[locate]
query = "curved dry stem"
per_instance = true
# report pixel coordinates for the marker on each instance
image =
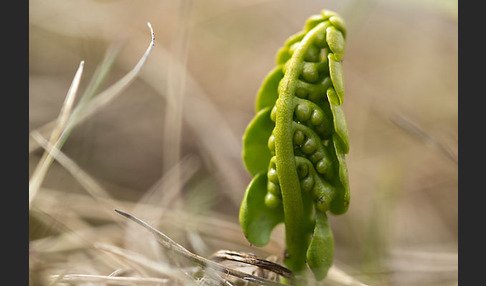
(168, 243)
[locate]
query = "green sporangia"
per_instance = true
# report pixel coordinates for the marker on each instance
(295, 147)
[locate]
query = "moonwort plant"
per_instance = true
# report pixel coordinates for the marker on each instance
(295, 147)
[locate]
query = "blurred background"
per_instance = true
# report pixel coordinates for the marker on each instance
(168, 147)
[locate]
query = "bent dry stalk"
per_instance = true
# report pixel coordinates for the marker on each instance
(295, 147)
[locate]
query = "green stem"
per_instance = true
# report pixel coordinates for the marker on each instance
(296, 223)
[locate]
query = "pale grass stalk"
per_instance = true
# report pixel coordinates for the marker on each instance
(105, 97)
(98, 77)
(62, 120)
(173, 119)
(68, 120)
(86, 278)
(87, 108)
(165, 270)
(176, 87)
(45, 130)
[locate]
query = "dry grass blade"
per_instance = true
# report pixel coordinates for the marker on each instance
(172, 129)
(88, 106)
(85, 278)
(109, 94)
(253, 260)
(67, 119)
(165, 270)
(55, 139)
(168, 243)
(98, 78)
